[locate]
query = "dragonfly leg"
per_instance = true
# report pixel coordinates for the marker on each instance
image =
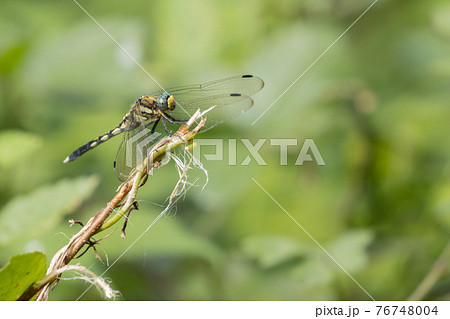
(170, 119)
(167, 131)
(165, 127)
(134, 207)
(155, 123)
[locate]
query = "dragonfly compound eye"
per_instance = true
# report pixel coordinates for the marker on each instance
(162, 101)
(171, 103)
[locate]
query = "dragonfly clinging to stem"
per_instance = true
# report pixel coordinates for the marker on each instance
(227, 97)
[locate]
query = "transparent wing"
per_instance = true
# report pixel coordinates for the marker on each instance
(222, 107)
(230, 97)
(133, 150)
(243, 84)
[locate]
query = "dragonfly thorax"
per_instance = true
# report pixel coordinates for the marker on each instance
(166, 102)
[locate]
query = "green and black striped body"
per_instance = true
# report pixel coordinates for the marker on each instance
(143, 110)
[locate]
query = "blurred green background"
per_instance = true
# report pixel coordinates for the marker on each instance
(377, 105)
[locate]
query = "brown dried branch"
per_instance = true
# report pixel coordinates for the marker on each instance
(126, 194)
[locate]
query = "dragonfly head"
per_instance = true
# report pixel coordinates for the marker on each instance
(166, 102)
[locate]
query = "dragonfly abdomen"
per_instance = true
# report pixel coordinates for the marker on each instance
(95, 142)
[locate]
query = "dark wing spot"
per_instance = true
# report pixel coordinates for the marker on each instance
(247, 76)
(114, 164)
(235, 94)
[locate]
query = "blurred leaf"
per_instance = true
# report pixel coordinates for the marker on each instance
(441, 205)
(11, 58)
(271, 251)
(29, 215)
(316, 268)
(19, 273)
(350, 249)
(17, 145)
(441, 19)
(315, 271)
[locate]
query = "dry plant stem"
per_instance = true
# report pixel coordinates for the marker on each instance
(128, 190)
(68, 252)
(38, 285)
(88, 276)
(437, 270)
(156, 155)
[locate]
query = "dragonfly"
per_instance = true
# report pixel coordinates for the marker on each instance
(226, 99)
